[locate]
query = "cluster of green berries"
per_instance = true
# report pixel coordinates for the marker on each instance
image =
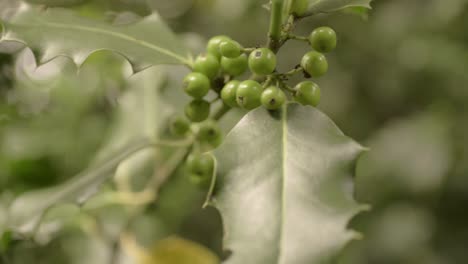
(250, 94)
(217, 70)
(223, 56)
(208, 136)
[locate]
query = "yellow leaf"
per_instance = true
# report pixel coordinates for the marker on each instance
(175, 250)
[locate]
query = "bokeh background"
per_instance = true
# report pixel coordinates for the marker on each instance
(398, 84)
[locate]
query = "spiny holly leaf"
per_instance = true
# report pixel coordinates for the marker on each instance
(59, 32)
(326, 6)
(284, 187)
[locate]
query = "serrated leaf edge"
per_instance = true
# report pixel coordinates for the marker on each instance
(80, 59)
(353, 234)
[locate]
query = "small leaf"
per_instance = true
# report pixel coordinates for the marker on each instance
(176, 250)
(284, 187)
(59, 32)
(326, 6)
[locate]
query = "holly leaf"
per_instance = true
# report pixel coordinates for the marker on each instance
(59, 32)
(26, 211)
(284, 187)
(327, 6)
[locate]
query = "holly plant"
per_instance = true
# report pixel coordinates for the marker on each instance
(279, 178)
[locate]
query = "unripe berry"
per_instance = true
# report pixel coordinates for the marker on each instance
(273, 98)
(229, 93)
(179, 126)
(323, 39)
(248, 94)
(213, 45)
(307, 93)
(207, 64)
(236, 66)
(200, 168)
(262, 61)
(197, 110)
(209, 134)
(314, 63)
(299, 7)
(230, 49)
(196, 84)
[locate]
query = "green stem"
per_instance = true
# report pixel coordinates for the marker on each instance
(301, 38)
(291, 72)
(275, 25)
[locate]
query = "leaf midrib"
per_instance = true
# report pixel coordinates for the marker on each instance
(284, 139)
(110, 33)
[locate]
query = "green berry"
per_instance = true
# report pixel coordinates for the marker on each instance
(262, 61)
(248, 94)
(196, 84)
(207, 64)
(229, 93)
(230, 49)
(197, 110)
(213, 45)
(201, 181)
(179, 126)
(299, 7)
(307, 93)
(200, 165)
(236, 66)
(323, 39)
(273, 98)
(314, 63)
(209, 134)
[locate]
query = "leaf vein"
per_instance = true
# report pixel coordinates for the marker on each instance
(113, 34)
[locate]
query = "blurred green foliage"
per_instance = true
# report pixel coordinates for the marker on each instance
(398, 84)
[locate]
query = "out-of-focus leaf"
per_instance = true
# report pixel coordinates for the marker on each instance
(140, 111)
(8, 8)
(174, 250)
(357, 7)
(56, 2)
(408, 156)
(60, 32)
(142, 101)
(326, 6)
(362, 12)
(5, 241)
(292, 204)
(26, 211)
